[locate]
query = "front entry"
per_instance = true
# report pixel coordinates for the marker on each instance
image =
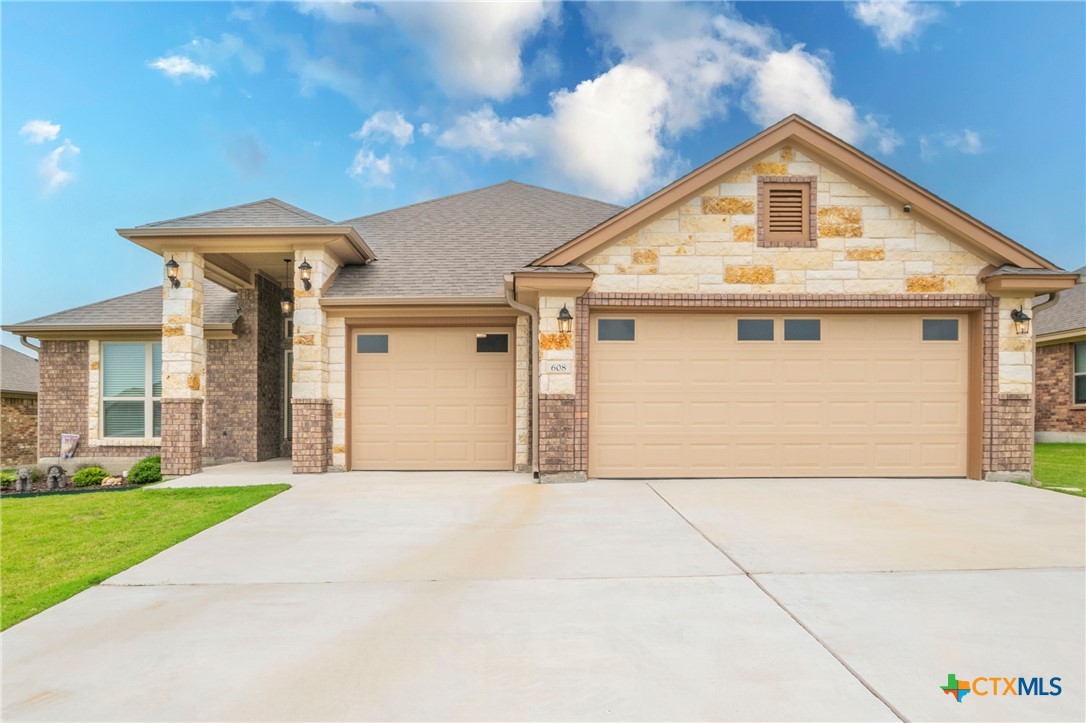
(432, 398)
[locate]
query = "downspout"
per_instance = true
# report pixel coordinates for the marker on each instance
(533, 375)
(28, 345)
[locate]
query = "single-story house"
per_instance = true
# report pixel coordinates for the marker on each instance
(791, 308)
(1060, 329)
(18, 408)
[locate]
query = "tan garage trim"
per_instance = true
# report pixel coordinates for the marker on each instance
(983, 447)
(431, 401)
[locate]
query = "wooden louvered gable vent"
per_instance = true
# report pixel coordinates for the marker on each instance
(786, 212)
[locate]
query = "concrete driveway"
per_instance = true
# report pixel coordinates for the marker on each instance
(485, 597)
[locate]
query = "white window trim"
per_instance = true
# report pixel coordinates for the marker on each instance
(148, 399)
(288, 404)
(1076, 374)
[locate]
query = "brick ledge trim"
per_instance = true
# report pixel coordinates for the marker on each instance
(988, 306)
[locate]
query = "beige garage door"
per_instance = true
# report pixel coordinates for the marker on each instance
(713, 395)
(432, 398)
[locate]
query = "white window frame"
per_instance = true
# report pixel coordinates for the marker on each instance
(1075, 374)
(148, 388)
(288, 404)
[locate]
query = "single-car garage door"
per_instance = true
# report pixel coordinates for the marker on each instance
(715, 395)
(432, 398)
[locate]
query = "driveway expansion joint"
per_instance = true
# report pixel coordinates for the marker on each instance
(750, 576)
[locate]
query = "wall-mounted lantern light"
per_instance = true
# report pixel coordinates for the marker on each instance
(172, 271)
(305, 271)
(287, 304)
(565, 320)
(1021, 321)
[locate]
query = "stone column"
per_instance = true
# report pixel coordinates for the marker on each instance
(557, 393)
(184, 359)
(1012, 430)
(312, 422)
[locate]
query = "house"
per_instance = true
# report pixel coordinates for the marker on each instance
(1060, 329)
(18, 408)
(791, 308)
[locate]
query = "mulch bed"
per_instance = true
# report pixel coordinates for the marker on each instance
(39, 489)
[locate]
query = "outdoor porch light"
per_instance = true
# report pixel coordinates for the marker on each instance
(305, 271)
(565, 320)
(1021, 321)
(287, 304)
(172, 269)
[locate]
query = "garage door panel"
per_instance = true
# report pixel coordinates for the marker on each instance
(686, 398)
(432, 402)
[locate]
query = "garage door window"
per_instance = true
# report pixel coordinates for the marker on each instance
(373, 343)
(755, 330)
(491, 343)
(940, 329)
(802, 330)
(616, 330)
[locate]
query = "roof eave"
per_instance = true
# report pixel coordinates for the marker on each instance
(336, 301)
(142, 235)
(1029, 284)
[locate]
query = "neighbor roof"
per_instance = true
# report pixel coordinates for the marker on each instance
(1068, 313)
(133, 311)
(18, 372)
(270, 212)
(463, 245)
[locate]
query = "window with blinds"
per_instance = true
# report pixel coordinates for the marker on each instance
(786, 212)
(131, 377)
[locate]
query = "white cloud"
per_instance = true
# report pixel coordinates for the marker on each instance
(603, 135)
(180, 66)
(386, 124)
(676, 67)
(474, 48)
(50, 171)
(964, 141)
(39, 131)
(372, 170)
(338, 11)
(794, 81)
(895, 22)
(227, 48)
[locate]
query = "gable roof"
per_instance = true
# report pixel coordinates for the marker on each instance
(18, 372)
(135, 311)
(463, 245)
(268, 212)
(1067, 313)
(801, 132)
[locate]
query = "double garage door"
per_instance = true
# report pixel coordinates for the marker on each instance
(714, 395)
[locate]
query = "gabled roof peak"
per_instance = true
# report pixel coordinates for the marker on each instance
(265, 212)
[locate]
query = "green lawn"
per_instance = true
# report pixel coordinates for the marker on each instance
(1061, 467)
(57, 545)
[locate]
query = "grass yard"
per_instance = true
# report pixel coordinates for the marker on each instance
(55, 546)
(1061, 467)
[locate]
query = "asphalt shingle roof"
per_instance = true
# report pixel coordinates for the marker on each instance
(141, 308)
(462, 245)
(18, 372)
(269, 212)
(1067, 314)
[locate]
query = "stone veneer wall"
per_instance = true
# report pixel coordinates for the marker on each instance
(523, 404)
(317, 341)
(18, 431)
(337, 389)
(1056, 410)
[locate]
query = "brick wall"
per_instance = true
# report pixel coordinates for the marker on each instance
(1012, 428)
(18, 431)
(1055, 410)
(270, 347)
(556, 430)
(182, 435)
(63, 379)
(312, 435)
(231, 388)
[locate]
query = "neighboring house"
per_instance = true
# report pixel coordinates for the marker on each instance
(18, 408)
(792, 308)
(1060, 330)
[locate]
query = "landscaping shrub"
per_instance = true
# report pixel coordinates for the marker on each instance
(37, 474)
(8, 476)
(146, 471)
(89, 477)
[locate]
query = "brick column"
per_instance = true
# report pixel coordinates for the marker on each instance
(311, 449)
(558, 461)
(184, 357)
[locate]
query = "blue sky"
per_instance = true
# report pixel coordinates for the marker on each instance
(118, 114)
